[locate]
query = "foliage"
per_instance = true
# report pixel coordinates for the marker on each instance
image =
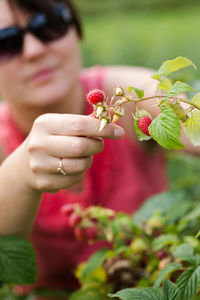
(17, 264)
(158, 255)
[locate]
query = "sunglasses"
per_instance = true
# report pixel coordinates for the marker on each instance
(41, 26)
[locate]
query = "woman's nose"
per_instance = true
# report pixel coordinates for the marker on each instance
(32, 47)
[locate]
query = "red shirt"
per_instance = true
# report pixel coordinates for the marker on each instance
(121, 177)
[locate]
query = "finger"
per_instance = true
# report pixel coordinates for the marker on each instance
(70, 165)
(78, 125)
(56, 182)
(70, 146)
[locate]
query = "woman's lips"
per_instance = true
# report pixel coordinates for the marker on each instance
(43, 75)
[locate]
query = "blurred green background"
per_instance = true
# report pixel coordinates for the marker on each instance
(141, 33)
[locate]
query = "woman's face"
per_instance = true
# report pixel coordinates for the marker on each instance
(42, 74)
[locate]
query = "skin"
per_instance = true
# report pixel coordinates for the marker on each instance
(51, 113)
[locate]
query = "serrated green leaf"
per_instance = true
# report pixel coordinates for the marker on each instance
(198, 234)
(193, 214)
(172, 65)
(164, 85)
(164, 240)
(192, 128)
(188, 283)
(130, 89)
(17, 261)
(163, 202)
(166, 271)
(139, 93)
(186, 253)
(139, 294)
(87, 294)
(179, 87)
(196, 99)
(95, 261)
(166, 129)
(170, 290)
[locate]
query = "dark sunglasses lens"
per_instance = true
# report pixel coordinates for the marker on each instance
(48, 30)
(10, 45)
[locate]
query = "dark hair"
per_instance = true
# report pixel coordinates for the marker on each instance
(46, 6)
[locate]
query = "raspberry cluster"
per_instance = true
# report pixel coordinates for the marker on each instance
(110, 111)
(83, 231)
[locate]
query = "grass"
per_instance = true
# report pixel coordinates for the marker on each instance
(143, 38)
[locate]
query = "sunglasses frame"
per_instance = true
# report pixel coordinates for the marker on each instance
(39, 19)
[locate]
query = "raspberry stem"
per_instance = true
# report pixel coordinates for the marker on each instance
(158, 96)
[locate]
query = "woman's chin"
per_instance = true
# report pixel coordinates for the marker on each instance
(48, 97)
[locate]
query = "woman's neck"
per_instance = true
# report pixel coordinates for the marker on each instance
(24, 116)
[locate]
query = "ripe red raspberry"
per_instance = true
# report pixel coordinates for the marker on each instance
(74, 219)
(95, 96)
(92, 232)
(67, 209)
(80, 234)
(144, 123)
(161, 254)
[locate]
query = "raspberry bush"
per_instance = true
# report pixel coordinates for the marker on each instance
(165, 129)
(156, 254)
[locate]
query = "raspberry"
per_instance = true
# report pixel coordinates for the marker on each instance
(80, 234)
(67, 209)
(92, 232)
(95, 96)
(161, 254)
(144, 123)
(74, 219)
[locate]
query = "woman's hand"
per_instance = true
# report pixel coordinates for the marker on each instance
(72, 138)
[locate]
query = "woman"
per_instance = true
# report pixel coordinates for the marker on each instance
(48, 141)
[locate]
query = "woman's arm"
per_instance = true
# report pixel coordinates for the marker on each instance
(140, 78)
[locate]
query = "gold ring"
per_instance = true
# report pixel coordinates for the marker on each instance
(60, 169)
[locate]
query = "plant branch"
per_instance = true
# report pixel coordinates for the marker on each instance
(127, 99)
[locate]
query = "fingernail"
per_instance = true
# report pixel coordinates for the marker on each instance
(118, 132)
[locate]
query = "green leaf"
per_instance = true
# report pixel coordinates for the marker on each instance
(183, 171)
(179, 87)
(139, 93)
(166, 129)
(87, 294)
(198, 234)
(121, 221)
(166, 271)
(139, 294)
(164, 240)
(194, 214)
(164, 85)
(95, 261)
(163, 202)
(17, 261)
(172, 65)
(188, 283)
(186, 253)
(192, 128)
(170, 290)
(196, 99)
